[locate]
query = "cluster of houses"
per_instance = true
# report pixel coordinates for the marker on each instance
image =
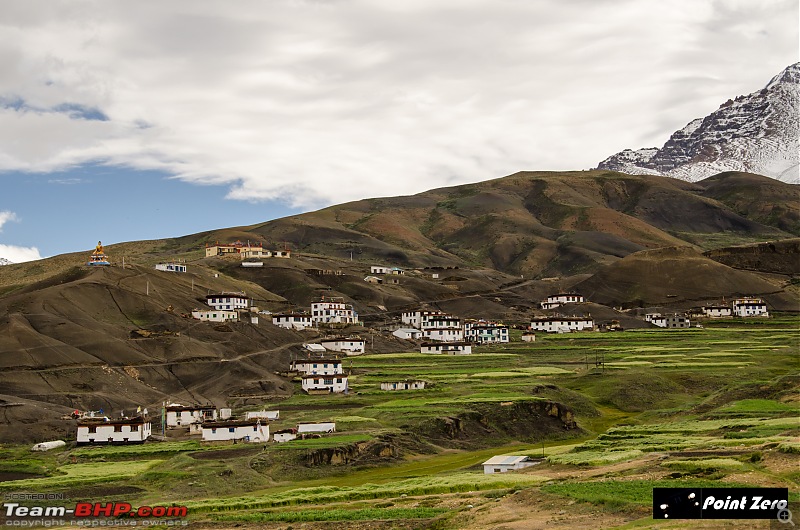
(330, 312)
(245, 251)
(227, 307)
(739, 307)
(444, 333)
(212, 424)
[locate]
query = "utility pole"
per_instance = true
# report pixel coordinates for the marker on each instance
(147, 289)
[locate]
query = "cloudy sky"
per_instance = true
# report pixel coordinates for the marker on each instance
(138, 120)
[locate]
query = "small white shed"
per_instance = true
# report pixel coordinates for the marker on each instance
(505, 463)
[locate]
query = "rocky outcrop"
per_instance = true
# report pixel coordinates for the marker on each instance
(489, 422)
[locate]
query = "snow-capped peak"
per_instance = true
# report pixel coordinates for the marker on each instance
(757, 133)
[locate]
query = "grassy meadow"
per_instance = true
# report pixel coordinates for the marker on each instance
(713, 406)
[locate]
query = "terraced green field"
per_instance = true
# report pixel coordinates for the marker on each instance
(720, 403)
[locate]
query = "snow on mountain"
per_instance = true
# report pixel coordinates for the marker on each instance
(4, 261)
(757, 133)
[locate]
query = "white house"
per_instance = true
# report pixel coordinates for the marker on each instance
(292, 320)
(454, 348)
(314, 347)
(407, 333)
(444, 334)
(215, 315)
(179, 415)
(317, 366)
(228, 301)
(270, 415)
(322, 426)
(171, 267)
(416, 318)
(562, 324)
(439, 321)
(373, 279)
(348, 345)
(318, 384)
(247, 430)
(717, 311)
(333, 313)
(403, 385)
(482, 332)
(119, 430)
(528, 337)
(396, 270)
(506, 463)
(670, 322)
(252, 264)
(749, 307)
(378, 269)
(285, 435)
(555, 300)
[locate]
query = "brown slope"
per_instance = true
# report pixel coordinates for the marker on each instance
(70, 344)
(667, 276)
(756, 197)
(532, 223)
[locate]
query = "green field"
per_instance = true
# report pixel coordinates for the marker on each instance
(717, 405)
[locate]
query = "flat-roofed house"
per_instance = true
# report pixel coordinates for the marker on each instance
(113, 431)
(252, 430)
(562, 324)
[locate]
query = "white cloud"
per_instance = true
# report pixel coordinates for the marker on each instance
(16, 254)
(319, 102)
(6, 216)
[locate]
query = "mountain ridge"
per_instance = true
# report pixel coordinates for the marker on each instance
(753, 133)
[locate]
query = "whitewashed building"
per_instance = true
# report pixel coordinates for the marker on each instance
(439, 321)
(717, 311)
(333, 313)
(407, 333)
(318, 384)
(443, 334)
(373, 279)
(171, 267)
(114, 431)
(556, 300)
(292, 320)
(347, 345)
(215, 315)
(378, 269)
(317, 366)
(671, 321)
(453, 348)
(318, 427)
(178, 415)
(506, 463)
(528, 337)
(246, 430)
(749, 307)
(231, 301)
(271, 415)
(482, 332)
(403, 385)
(562, 324)
(284, 435)
(415, 319)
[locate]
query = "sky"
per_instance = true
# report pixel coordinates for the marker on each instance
(123, 121)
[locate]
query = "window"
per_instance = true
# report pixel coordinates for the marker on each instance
(231, 429)
(134, 428)
(92, 429)
(255, 427)
(339, 380)
(328, 381)
(213, 430)
(117, 428)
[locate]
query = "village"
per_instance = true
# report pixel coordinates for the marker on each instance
(320, 368)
